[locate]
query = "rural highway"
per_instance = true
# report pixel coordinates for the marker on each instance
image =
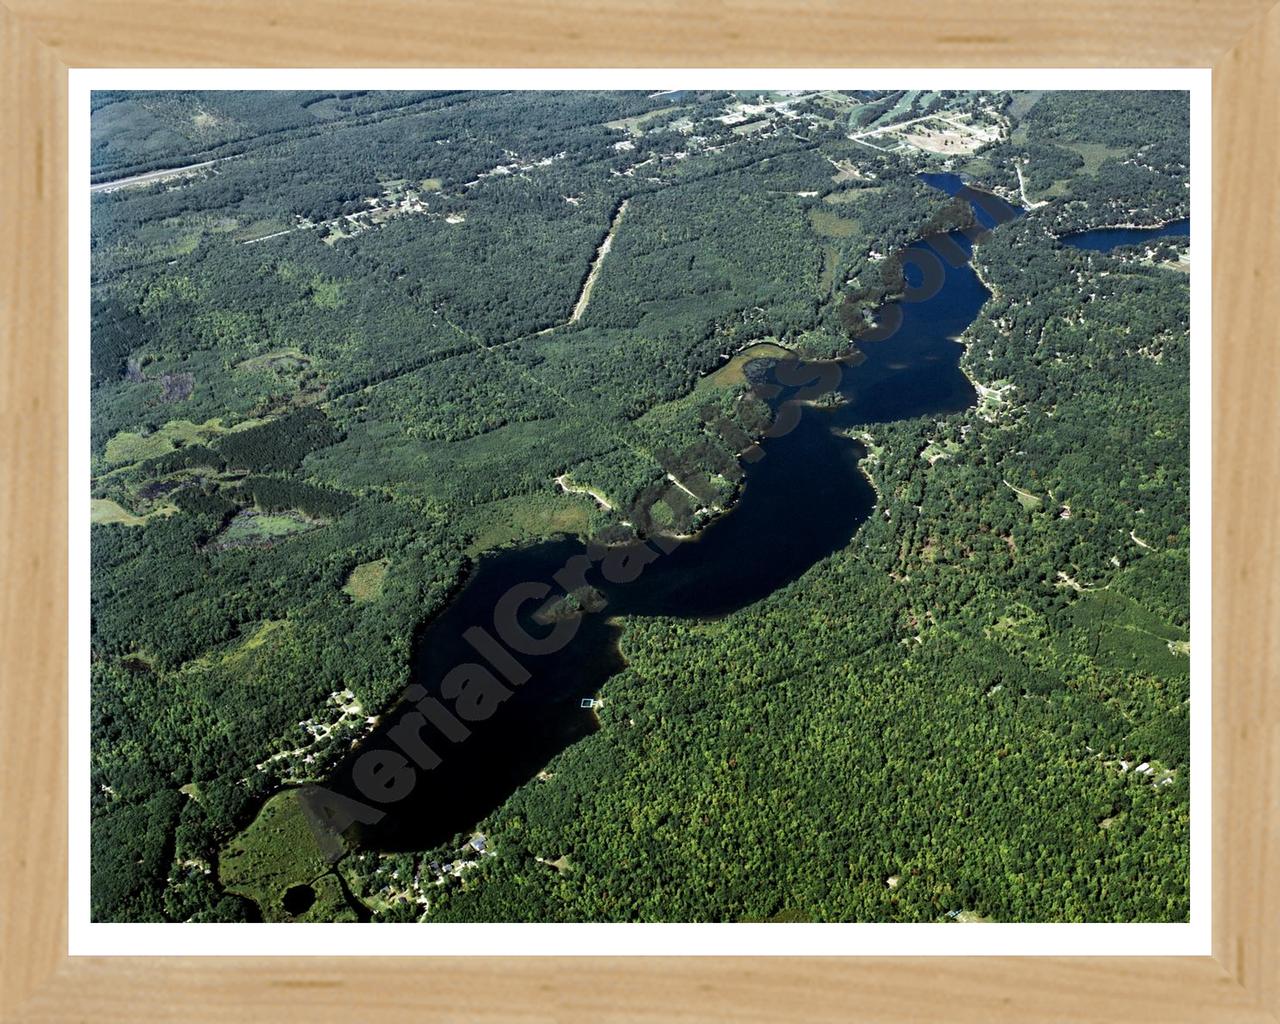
(143, 179)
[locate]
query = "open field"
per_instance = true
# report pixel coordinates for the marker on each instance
(284, 362)
(127, 447)
(242, 660)
(1122, 635)
(949, 137)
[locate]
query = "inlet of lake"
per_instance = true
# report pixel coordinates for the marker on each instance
(803, 500)
(1106, 239)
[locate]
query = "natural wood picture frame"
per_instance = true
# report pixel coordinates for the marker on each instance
(41, 39)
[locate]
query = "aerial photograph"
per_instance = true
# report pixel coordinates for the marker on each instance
(639, 506)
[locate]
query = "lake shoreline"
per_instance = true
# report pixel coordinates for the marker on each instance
(1122, 227)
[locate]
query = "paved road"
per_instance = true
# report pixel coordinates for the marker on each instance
(142, 179)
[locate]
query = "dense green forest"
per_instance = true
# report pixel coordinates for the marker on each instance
(378, 335)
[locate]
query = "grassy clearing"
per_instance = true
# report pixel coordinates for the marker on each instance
(851, 196)
(365, 582)
(277, 851)
(410, 467)
(1058, 188)
(1026, 499)
(635, 126)
(978, 167)
(325, 293)
(104, 510)
(243, 661)
(263, 528)
(262, 633)
(1023, 102)
(828, 224)
(523, 518)
(899, 110)
(127, 447)
(203, 120)
(432, 184)
(939, 450)
(846, 170)
(174, 236)
(830, 260)
(1094, 153)
(281, 362)
(732, 374)
(561, 864)
(261, 228)
(250, 527)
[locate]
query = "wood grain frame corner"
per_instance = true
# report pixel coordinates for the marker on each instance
(41, 39)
